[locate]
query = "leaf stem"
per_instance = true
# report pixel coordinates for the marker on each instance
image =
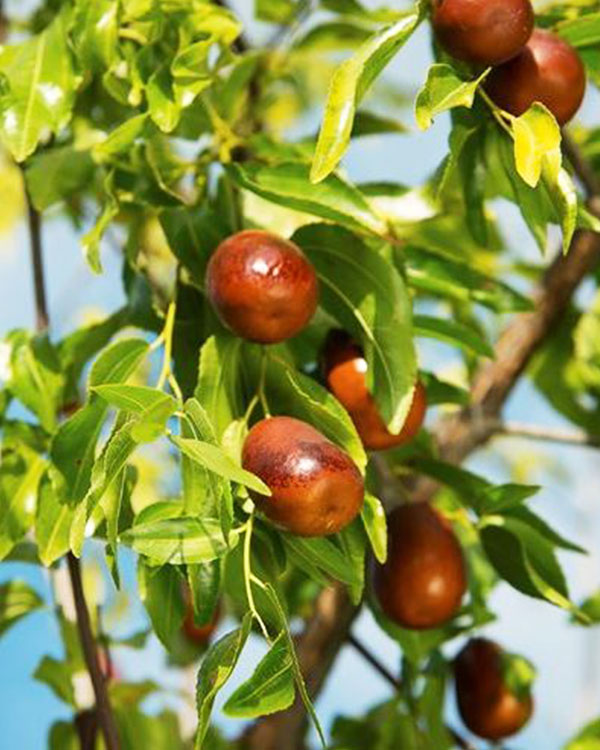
(249, 577)
(166, 337)
(504, 119)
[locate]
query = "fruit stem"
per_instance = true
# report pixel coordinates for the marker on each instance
(503, 118)
(261, 383)
(249, 577)
(166, 374)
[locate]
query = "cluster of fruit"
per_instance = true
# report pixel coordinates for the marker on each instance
(530, 64)
(265, 290)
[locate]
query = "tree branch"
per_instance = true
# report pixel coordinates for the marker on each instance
(88, 644)
(545, 434)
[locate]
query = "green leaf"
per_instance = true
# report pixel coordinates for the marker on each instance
(433, 273)
(218, 388)
(373, 518)
(215, 459)
(90, 242)
(288, 184)
(299, 678)
(349, 84)
(121, 138)
(327, 556)
(39, 86)
(453, 333)
(150, 404)
(217, 667)
(523, 558)
(271, 687)
(364, 292)
(74, 445)
(205, 587)
(58, 676)
(444, 89)
(106, 470)
(35, 376)
(176, 541)
(53, 520)
(17, 600)
(20, 472)
(95, 33)
(193, 235)
(204, 492)
(161, 592)
(537, 145)
(57, 174)
(581, 31)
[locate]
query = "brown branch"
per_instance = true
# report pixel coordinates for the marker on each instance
(88, 644)
(545, 434)
(42, 319)
(106, 718)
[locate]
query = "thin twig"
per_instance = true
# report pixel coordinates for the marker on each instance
(545, 434)
(42, 319)
(374, 662)
(88, 644)
(459, 740)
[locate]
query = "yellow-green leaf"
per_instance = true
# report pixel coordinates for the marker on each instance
(537, 145)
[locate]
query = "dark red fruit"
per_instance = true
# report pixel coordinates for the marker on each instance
(484, 32)
(317, 489)
(262, 286)
(199, 634)
(423, 580)
(345, 368)
(487, 706)
(548, 70)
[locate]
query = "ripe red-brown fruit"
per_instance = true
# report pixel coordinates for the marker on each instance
(547, 70)
(199, 634)
(487, 706)
(317, 488)
(344, 368)
(262, 286)
(423, 580)
(484, 32)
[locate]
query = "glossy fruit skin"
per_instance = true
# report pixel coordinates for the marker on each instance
(317, 488)
(483, 32)
(423, 580)
(344, 367)
(262, 286)
(488, 708)
(548, 70)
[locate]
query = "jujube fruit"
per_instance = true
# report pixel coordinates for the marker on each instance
(487, 706)
(345, 372)
(316, 487)
(262, 286)
(199, 634)
(422, 582)
(484, 32)
(547, 70)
